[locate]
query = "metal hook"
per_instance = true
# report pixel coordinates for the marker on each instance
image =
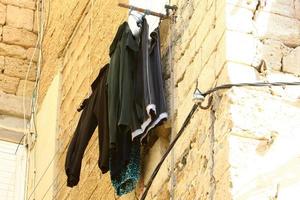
(198, 96)
(208, 104)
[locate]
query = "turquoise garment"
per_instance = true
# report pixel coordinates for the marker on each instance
(129, 176)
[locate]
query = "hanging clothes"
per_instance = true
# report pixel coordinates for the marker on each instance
(94, 113)
(151, 108)
(126, 181)
(124, 154)
(127, 101)
(123, 54)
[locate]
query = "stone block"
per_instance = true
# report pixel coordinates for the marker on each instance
(271, 51)
(240, 47)
(289, 92)
(32, 53)
(239, 19)
(186, 104)
(35, 21)
(220, 56)
(1, 32)
(20, 37)
(205, 27)
(1, 64)
(12, 123)
(269, 25)
(189, 79)
(2, 14)
(291, 62)
(11, 128)
(12, 50)
(280, 7)
(207, 76)
(28, 90)
(18, 68)
(198, 15)
(19, 17)
(30, 4)
(237, 73)
(8, 84)
(251, 113)
(202, 60)
(214, 37)
(192, 41)
(249, 4)
(297, 9)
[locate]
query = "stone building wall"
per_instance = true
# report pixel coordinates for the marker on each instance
(263, 123)
(18, 40)
(18, 28)
(236, 149)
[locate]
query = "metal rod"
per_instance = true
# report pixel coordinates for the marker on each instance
(148, 12)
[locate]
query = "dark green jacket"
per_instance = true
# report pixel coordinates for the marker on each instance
(123, 54)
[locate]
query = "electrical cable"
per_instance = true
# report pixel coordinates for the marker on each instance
(34, 98)
(36, 88)
(51, 186)
(225, 86)
(56, 153)
(191, 113)
(254, 84)
(23, 93)
(63, 182)
(19, 144)
(24, 88)
(185, 123)
(47, 168)
(89, 79)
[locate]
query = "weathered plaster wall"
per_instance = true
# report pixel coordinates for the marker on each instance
(237, 149)
(41, 159)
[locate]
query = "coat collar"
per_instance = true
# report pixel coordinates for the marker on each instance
(124, 31)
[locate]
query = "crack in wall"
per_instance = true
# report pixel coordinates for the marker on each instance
(257, 8)
(281, 64)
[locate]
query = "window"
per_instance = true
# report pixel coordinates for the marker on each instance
(12, 171)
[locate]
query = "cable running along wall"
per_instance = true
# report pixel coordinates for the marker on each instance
(192, 112)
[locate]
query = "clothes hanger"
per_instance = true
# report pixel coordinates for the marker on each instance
(134, 21)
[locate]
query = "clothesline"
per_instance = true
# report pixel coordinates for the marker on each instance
(150, 12)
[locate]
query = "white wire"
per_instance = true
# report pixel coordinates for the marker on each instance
(38, 73)
(39, 15)
(57, 152)
(24, 106)
(25, 83)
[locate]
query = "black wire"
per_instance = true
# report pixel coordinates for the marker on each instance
(194, 108)
(19, 144)
(186, 121)
(256, 84)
